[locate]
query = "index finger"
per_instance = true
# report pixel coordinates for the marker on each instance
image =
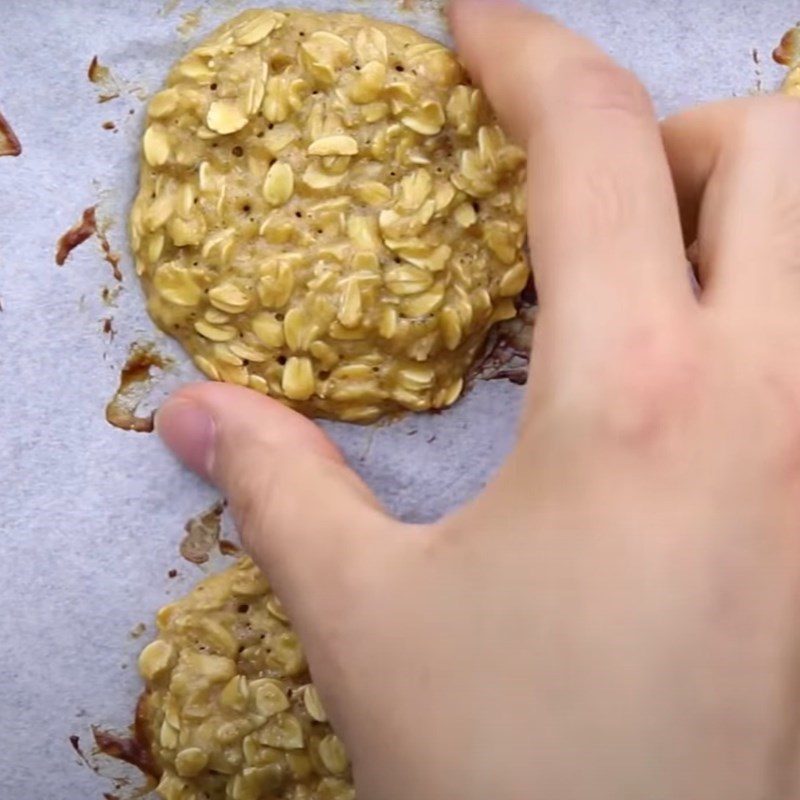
(604, 227)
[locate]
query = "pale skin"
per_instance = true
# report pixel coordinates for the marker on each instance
(615, 616)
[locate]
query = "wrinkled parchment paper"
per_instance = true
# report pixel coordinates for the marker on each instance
(91, 517)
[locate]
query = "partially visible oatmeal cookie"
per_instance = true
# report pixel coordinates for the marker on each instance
(788, 54)
(229, 708)
(329, 213)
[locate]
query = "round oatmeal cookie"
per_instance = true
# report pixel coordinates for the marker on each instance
(329, 213)
(229, 709)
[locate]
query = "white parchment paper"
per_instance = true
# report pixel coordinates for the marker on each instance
(90, 516)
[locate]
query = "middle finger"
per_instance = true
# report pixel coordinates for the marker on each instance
(603, 221)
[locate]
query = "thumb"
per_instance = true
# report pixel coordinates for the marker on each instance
(303, 515)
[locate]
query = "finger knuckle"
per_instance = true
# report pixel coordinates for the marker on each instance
(599, 85)
(606, 204)
(651, 387)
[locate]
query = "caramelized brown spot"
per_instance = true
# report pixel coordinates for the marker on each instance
(112, 258)
(76, 235)
(109, 295)
(133, 382)
(202, 534)
(9, 143)
(228, 548)
(133, 749)
(75, 741)
(97, 72)
(137, 630)
(507, 350)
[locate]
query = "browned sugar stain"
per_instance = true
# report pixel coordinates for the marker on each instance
(110, 87)
(75, 742)
(202, 534)
(229, 548)
(9, 143)
(111, 257)
(97, 73)
(133, 748)
(137, 630)
(507, 352)
(109, 295)
(133, 381)
(76, 235)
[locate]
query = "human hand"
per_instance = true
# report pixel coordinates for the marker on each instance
(615, 616)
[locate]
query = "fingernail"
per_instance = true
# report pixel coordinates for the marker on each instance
(188, 430)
